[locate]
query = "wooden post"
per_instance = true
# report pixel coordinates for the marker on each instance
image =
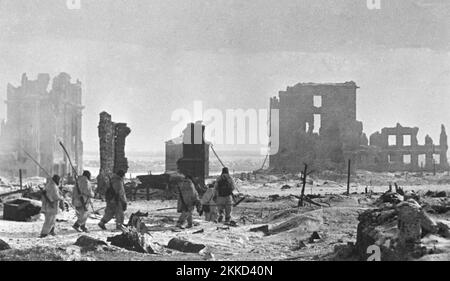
(300, 203)
(348, 177)
(20, 178)
(148, 193)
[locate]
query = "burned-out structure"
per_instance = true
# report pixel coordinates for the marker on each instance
(112, 149)
(317, 125)
(36, 120)
(189, 152)
(397, 149)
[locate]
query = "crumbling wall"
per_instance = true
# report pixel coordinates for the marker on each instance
(189, 152)
(112, 149)
(120, 161)
(302, 139)
(400, 156)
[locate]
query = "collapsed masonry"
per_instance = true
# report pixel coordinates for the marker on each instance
(112, 149)
(397, 149)
(36, 120)
(318, 126)
(189, 152)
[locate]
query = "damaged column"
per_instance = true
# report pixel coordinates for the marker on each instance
(112, 149)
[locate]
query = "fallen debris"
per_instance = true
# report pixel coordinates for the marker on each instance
(21, 209)
(4, 245)
(314, 236)
(132, 240)
(87, 243)
(264, 229)
(390, 197)
(184, 246)
(436, 194)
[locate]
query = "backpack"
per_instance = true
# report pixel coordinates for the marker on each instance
(224, 187)
(110, 194)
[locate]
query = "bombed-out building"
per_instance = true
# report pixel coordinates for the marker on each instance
(189, 152)
(36, 120)
(398, 149)
(317, 126)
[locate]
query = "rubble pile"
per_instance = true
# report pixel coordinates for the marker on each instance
(132, 240)
(399, 230)
(87, 243)
(21, 209)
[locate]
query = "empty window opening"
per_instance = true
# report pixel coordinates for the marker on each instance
(407, 159)
(407, 140)
(318, 101)
(437, 158)
(392, 140)
(317, 123)
(390, 158)
(421, 160)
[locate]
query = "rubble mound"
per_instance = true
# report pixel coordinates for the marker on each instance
(401, 232)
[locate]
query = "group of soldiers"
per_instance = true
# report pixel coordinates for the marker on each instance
(216, 203)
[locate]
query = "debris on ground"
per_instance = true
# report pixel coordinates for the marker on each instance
(4, 245)
(21, 209)
(184, 246)
(132, 240)
(87, 243)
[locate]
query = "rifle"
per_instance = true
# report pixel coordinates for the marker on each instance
(76, 179)
(43, 192)
(37, 163)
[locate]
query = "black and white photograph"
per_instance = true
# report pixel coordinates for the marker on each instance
(205, 132)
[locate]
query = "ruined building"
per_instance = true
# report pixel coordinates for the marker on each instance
(37, 119)
(189, 152)
(397, 149)
(112, 149)
(317, 126)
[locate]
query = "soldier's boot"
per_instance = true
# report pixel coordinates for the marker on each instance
(84, 228)
(76, 227)
(102, 225)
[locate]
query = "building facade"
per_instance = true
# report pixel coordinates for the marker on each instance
(37, 120)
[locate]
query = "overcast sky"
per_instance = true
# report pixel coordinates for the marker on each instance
(141, 60)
